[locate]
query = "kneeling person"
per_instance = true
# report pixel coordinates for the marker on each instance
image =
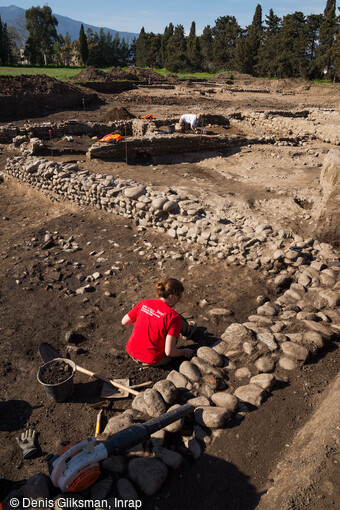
(157, 326)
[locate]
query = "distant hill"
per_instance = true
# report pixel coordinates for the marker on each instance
(15, 17)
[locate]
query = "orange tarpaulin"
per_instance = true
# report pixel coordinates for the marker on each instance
(148, 116)
(111, 138)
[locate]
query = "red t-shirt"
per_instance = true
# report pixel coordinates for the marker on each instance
(154, 320)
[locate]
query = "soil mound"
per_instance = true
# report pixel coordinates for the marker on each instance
(25, 95)
(26, 84)
(172, 78)
(133, 73)
(90, 74)
(120, 113)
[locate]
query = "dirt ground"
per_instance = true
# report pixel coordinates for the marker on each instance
(271, 183)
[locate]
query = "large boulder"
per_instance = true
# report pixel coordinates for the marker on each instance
(327, 210)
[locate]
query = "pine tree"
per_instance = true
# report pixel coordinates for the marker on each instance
(268, 51)
(83, 46)
(327, 38)
(226, 33)
(193, 49)
(176, 52)
(142, 48)
(248, 46)
(155, 51)
(291, 47)
(336, 57)
(6, 51)
(168, 33)
(132, 52)
(312, 28)
(206, 44)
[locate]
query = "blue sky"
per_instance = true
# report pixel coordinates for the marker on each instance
(154, 15)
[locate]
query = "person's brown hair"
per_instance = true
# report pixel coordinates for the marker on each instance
(164, 288)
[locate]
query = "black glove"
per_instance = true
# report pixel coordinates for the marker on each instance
(27, 443)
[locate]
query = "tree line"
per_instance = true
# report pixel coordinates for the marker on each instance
(292, 46)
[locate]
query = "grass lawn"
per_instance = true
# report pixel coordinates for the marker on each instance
(65, 73)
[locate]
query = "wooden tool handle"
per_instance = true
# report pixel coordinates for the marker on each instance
(105, 379)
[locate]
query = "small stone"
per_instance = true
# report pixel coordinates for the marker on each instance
(268, 339)
(243, 373)
(220, 312)
(126, 491)
(268, 309)
(212, 417)
(134, 192)
(225, 400)
(236, 334)
(37, 487)
(206, 369)
(176, 425)
(179, 380)
(115, 464)
(265, 364)
(194, 447)
(148, 474)
(169, 457)
(118, 423)
(324, 331)
(190, 371)
(265, 381)
(210, 356)
(101, 488)
(199, 401)
(157, 438)
(139, 404)
(287, 363)
(295, 351)
(167, 389)
(154, 402)
(251, 393)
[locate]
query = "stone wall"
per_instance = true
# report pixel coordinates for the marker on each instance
(307, 125)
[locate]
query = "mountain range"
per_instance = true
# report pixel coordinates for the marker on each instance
(14, 16)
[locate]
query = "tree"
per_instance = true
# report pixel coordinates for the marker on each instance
(41, 26)
(176, 52)
(83, 47)
(18, 34)
(168, 33)
(291, 47)
(312, 34)
(327, 38)
(193, 49)
(226, 32)
(6, 53)
(132, 52)
(142, 48)
(248, 46)
(206, 45)
(268, 51)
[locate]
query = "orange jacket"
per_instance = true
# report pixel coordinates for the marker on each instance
(111, 138)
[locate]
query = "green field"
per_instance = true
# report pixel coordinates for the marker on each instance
(60, 73)
(65, 73)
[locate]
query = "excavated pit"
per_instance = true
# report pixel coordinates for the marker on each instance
(235, 219)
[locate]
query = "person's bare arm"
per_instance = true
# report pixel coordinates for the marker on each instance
(172, 351)
(126, 320)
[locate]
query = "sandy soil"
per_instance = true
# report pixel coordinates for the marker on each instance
(275, 183)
